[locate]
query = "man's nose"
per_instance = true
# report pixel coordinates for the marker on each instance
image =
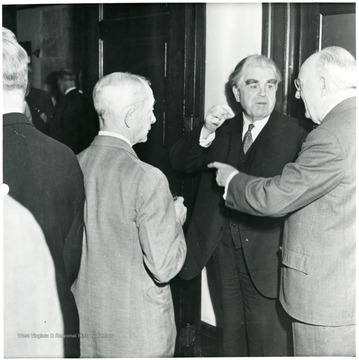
(262, 91)
(153, 119)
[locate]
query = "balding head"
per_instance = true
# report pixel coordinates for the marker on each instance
(338, 66)
(326, 78)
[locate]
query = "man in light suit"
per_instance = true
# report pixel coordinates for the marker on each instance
(45, 177)
(244, 248)
(31, 301)
(134, 243)
(318, 193)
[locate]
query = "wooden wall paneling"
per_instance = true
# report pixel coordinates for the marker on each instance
(190, 64)
(290, 35)
(87, 22)
(280, 43)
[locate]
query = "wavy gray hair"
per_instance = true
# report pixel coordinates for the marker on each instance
(15, 63)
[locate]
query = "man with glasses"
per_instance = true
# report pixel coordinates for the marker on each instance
(243, 249)
(317, 192)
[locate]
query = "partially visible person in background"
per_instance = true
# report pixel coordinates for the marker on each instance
(72, 123)
(51, 87)
(45, 177)
(40, 105)
(32, 312)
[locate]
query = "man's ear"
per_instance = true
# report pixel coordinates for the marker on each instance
(236, 93)
(130, 116)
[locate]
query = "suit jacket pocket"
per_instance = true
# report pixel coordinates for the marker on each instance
(295, 260)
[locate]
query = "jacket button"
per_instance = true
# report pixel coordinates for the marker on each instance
(233, 225)
(247, 240)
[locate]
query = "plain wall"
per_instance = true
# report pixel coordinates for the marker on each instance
(233, 31)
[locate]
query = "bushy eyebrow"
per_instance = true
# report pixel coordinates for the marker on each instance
(251, 81)
(254, 81)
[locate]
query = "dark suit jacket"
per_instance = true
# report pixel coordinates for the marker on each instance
(319, 241)
(45, 177)
(41, 108)
(277, 144)
(73, 121)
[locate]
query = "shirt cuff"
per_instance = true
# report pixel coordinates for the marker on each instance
(206, 142)
(230, 177)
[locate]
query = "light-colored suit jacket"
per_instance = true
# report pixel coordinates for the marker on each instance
(31, 300)
(318, 193)
(132, 248)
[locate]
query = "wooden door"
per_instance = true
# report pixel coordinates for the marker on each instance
(294, 31)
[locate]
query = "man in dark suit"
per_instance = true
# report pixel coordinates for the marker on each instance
(74, 120)
(245, 249)
(40, 105)
(45, 177)
(317, 191)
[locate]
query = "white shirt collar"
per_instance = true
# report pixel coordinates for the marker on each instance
(258, 126)
(12, 110)
(69, 89)
(116, 135)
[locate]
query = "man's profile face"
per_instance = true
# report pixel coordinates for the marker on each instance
(65, 83)
(256, 91)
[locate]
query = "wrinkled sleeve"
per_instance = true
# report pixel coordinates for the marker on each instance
(161, 237)
(318, 170)
(187, 155)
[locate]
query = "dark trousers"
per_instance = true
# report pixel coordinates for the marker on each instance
(253, 325)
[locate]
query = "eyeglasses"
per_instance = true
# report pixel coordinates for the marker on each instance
(297, 84)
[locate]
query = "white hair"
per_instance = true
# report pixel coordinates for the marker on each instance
(116, 91)
(15, 63)
(337, 66)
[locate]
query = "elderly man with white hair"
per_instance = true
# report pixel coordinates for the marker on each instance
(317, 192)
(134, 243)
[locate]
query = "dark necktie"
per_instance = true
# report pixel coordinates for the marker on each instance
(248, 140)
